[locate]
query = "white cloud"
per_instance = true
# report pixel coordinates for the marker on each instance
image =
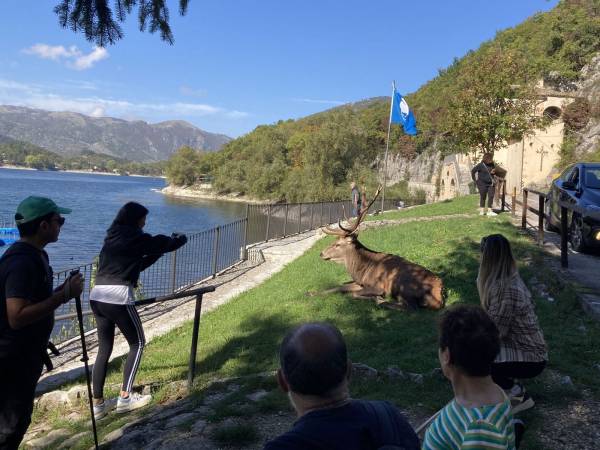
(313, 100)
(36, 96)
(87, 61)
(54, 53)
(73, 57)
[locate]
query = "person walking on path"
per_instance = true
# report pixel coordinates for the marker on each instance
(508, 302)
(363, 198)
(479, 416)
(126, 252)
(355, 198)
(27, 305)
(483, 176)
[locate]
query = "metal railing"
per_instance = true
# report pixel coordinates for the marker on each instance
(565, 208)
(274, 221)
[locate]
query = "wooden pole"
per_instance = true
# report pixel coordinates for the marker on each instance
(513, 211)
(524, 212)
(564, 233)
(540, 220)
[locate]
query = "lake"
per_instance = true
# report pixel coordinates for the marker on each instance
(95, 200)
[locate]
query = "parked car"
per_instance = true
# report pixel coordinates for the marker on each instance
(578, 184)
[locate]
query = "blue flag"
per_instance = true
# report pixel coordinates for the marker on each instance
(403, 115)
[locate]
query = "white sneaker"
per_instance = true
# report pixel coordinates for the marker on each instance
(481, 212)
(134, 401)
(103, 408)
(491, 213)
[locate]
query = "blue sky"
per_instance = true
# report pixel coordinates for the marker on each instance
(239, 64)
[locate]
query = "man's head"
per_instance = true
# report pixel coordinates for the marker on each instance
(314, 361)
(468, 342)
(352, 185)
(488, 158)
(40, 217)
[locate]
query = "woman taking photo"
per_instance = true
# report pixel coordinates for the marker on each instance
(483, 176)
(126, 252)
(507, 301)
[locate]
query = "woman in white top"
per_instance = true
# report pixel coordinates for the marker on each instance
(126, 252)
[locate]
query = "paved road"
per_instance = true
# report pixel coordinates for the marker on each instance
(583, 268)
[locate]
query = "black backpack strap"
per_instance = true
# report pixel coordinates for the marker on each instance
(385, 416)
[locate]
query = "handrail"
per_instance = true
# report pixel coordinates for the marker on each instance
(150, 300)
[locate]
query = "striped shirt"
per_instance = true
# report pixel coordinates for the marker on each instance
(513, 312)
(486, 427)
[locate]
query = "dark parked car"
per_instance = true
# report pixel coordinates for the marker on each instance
(578, 185)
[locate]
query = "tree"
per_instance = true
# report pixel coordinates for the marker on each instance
(182, 168)
(494, 103)
(94, 18)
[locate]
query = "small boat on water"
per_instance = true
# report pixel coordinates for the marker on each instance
(8, 235)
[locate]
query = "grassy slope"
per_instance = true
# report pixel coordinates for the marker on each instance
(242, 336)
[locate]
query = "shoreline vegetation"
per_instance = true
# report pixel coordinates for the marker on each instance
(203, 192)
(13, 167)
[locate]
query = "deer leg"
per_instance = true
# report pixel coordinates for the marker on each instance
(349, 286)
(368, 293)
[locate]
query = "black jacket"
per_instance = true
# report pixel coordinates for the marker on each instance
(483, 172)
(127, 251)
(24, 273)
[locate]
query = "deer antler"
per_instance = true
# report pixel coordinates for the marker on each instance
(334, 232)
(354, 226)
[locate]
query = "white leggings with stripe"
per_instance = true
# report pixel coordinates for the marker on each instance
(126, 318)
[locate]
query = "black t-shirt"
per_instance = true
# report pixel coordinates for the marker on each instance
(355, 426)
(24, 273)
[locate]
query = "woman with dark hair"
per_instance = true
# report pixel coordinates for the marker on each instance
(126, 252)
(483, 174)
(508, 302)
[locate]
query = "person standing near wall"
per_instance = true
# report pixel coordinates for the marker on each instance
(126, 252)
(355, 198)
(27, 305)
(483, 176)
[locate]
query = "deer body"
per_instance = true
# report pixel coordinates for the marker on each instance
(385, 275)
(377, 274)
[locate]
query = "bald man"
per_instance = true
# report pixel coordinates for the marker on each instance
(315, 372)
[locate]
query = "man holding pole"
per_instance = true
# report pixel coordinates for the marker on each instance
(27, 305)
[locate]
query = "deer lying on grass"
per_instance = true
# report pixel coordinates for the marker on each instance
(377, 275)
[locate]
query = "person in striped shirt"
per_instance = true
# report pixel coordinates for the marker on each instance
(479, 416)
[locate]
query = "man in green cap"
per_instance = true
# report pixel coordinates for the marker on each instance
(27, 304)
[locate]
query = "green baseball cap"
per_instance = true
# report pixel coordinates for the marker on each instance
(33, 207)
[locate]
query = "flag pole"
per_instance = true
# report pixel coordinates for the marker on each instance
(387, 146)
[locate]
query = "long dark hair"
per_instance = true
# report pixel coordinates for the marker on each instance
(497, 266)
(130, 214)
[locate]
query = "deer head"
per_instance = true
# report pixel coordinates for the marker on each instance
(347, 242)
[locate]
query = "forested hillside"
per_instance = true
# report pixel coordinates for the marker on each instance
(19, 153)
(315, 157)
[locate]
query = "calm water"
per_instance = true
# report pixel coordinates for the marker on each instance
(95, 200)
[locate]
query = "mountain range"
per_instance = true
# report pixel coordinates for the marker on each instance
(69, 134)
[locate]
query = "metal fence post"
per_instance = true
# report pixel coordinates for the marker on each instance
(173, 270)
(194, 349)
(540, 220)
(513, 210)
(564, 232)
(311, 215)
(268, 223)
(524, 212)
(503, 196)
(321, 215)
(216, 252)
(300, 218)
(246, 226)
(329, 214)
(285, 221)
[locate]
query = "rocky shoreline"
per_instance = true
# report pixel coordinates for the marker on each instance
(205, 192)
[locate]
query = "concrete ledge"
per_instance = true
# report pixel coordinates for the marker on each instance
(591, 304)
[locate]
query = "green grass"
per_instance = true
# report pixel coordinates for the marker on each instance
(242, 336)
(466, 204)
(236, 435)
